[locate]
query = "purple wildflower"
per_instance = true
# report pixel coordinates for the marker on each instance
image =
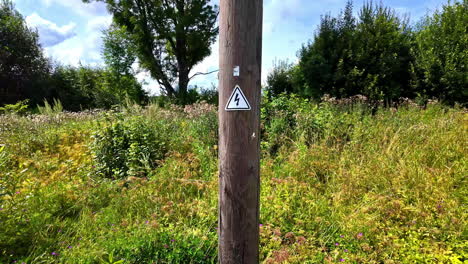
(69, 247)
(260, 225)
(341, 260)
(337, 244)
(346, 251)
(54, 253)
(172, 240)
(342, 236)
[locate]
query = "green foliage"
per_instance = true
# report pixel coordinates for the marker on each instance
(285, 78)
(85, 87)
(18, 108)
(129, 147)
(48, 109)
(442, 54)
(382, 58)
(369, 56)
(119, 52)
(23, 67)
(378, 55)
(169, 37)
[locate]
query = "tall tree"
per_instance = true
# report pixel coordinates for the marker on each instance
(23, 67)
(325, 61)
(170, 36)
(382, 53)
(370, 55)
(119, 52)
(442, 54)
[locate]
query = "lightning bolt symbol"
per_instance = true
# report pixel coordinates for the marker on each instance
(237, 99)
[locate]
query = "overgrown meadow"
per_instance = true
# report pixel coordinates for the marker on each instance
(340, 182)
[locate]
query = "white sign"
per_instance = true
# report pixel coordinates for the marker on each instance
(237, 101)
(236, 71)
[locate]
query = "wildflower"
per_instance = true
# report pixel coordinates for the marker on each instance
(337, 244)
(1, 209)
(301, 240)
(342, 236)
(260, 225)
(69, 247)
(360, 235)
(17, 192)
(346, 251)
(341, 260)
(172, 240)
(54, 253)
(146, 222)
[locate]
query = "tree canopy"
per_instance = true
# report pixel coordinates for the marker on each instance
(379, 55)
(23, 65)
(170, 37)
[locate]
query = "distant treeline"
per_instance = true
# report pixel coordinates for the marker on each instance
(379, 55)
(25, 73)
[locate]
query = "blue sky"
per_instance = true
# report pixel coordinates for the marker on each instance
(70, 31)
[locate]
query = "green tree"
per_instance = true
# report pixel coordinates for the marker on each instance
(442, 54)
(325, 61)
(370, 55)
(170, 36)
(23, 67)
(284, 78)
(382, 54)
(120, 55)
(86, 87)
(119, 52)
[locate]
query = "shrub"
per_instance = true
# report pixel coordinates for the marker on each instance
(129, 147)
(19, 108)
(49, 109)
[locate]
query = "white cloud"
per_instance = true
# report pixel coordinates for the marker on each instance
(83, 48)
(77, 6)
(99, 23)
(50, 34)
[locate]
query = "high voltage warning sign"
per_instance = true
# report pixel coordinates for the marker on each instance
(237, 101)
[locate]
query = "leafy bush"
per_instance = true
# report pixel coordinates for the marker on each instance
(285, 78)
(19, 108)
(129, 147)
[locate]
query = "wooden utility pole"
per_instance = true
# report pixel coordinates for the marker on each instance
(240, 45)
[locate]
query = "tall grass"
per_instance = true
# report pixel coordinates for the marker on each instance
(338, 184)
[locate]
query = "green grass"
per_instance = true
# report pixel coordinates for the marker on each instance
(337, 185)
